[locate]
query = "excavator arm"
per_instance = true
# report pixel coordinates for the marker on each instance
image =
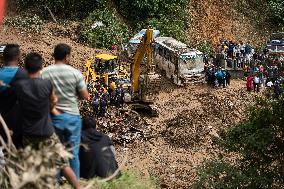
(145, 48)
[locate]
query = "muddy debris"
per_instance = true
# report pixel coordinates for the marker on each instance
(190, 128)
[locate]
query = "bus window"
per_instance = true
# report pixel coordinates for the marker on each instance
(160, 51)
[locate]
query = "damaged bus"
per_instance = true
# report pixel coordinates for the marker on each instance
(180, 63)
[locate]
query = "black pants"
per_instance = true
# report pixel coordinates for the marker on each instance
(256, 87)
(221, 82)
(228, 80)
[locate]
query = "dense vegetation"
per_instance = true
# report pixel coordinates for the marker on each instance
(259, 143)
(264, 11)
(123, 18)
(277, 12)
(120, 19)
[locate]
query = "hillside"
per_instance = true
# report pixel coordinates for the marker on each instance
(181, 138)
(214, 20)
(198, 22)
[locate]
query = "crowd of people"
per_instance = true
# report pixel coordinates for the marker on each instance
(105, 96)
(40, 107)
(230, 54)
(261, 69)
(266, 73)
(217, 77)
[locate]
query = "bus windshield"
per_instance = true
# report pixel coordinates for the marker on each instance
(193, 64)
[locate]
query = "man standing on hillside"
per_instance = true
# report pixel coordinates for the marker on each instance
(69, 85)
(10, 74)
(36, 100)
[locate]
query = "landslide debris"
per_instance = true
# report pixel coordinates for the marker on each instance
(192, 127)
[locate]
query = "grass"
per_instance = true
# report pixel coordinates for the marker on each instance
(128, 180)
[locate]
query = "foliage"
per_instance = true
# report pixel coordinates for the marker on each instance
(32, 169)
(259, 142)
(127, 180)
(63, 8)
(219, 175)
(205, 47)
(31, 23)
(112, 31)
(277, 11)
(263, 11)
(170, 17)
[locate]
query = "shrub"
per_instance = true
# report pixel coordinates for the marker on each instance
(277, 12)
(170, 17)
(259, 143)
(63, 8)
(110, 31)
(31, 23)
(128, 180)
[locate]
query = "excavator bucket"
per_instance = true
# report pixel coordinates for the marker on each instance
(145, 108)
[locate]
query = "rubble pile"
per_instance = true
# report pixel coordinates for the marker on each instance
(193, 127)
(123, 125)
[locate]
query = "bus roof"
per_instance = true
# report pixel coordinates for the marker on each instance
(137, 38)
(177, 46)
(106, 57)
(171, 43)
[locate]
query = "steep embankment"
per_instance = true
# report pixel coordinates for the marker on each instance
(45, 41)
(212, 20)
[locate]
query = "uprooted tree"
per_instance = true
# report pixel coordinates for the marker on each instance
(258, 144)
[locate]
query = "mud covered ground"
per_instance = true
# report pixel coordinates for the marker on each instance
(182, 134)
(180, 139)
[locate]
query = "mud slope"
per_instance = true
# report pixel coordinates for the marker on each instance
(213, 20)
(182, 134)
(45, 41)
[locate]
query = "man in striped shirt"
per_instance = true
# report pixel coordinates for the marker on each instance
(69, 84)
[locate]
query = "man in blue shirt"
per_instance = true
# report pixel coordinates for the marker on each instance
(10, 74)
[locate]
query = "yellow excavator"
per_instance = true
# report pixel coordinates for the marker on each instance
(103, 68)
(142, 76)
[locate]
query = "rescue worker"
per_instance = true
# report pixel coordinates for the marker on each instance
(103, 100)
(228, 77)
(220, 74)
(111, 92)
(119, 96)
(96, 103)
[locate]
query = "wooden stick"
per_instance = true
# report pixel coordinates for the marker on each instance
(7, 132)
(51, 14)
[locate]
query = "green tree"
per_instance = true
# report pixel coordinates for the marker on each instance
(110, 30)
(259, 143)
(277, 12)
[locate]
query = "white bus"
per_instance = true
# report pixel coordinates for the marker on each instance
(180, 63)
